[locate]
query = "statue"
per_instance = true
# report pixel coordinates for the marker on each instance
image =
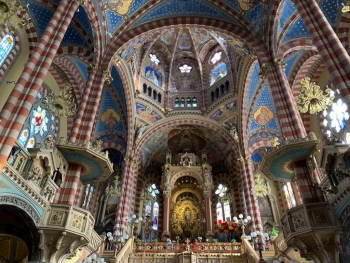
(232, 128)
(167, 176)
(187, 215)
(207, 178)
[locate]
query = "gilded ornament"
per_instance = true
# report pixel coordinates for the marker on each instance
(114, 190)
(10, 9)
(63, 105)
(312, 98)
(261, 188)
(275, 142)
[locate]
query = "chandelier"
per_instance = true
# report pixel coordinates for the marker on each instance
(63, 105)
(224, 195)
(8, 10)
(312, 98)
(261, 188)
(114, 190)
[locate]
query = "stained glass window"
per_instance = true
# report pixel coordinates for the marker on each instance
(288, 193)
(39, 125)
(223, 210)
(339, 115)
(154, 58)
(6, 46)
(185, 68)
(216, 57)
(89, 189)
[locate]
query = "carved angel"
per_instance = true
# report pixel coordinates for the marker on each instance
(232, 128)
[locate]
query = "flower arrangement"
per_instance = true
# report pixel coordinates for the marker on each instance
(177, 238)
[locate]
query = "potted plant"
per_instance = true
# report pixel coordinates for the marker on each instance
(215, 241)
(138, 241)
(233, 241)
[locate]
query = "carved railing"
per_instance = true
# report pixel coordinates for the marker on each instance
(252, 256)
(66, 228)
(279, 243)
(232, 248)
(314, 230)
(124, 252)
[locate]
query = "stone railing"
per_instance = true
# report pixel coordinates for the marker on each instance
(66, 228)
(232, 248)
(124, 252)
(252, 256)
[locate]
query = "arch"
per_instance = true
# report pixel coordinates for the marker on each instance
(22, 204)
(176, 121)
(261, 143)
(295, 45)
(180, 174)
(245, 35)
(12, 54)
(192, 190)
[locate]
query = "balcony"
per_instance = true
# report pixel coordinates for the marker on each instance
(313, 229)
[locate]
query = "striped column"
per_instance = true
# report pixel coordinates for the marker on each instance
(66, 194)
(21, 99)
(328, 44)
(309, 192)
(125, 203)
(288, 115)
(79, 119)
(251, 201)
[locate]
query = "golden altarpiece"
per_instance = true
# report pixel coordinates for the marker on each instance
(187, 186)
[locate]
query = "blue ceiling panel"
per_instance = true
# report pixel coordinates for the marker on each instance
(118, 87)
(255, 17)
(81, 66)
(73, 38)
(332, 10)
(83, 19)
(297, 30)
(292, 60)
(40, 14)
(175, 8)
(253, 85)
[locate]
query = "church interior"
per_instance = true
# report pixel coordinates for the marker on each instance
(174, 131)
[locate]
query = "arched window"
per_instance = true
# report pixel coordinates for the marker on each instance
(227, 86)
(149, 91)
(144, 88)
(194, 102)
(212, 95)
(222, 89)
(89, 189)
(39, 125)
(217, 93)
(159, 97)
(177, 102)
(182, 102)
(154, 58)
(215, 57)
(151, 212)
(189, 102)
(154, 95)
(217, 73)
(6, 46)
(288, 193)
(223, 209)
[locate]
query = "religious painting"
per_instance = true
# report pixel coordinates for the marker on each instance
(110, 118)
(152, 75)
(184, 41)
(168, 37)
(225, 111)
(263, 115)
(155, 140)
(130, 49)
(121, 7)
(264, 207)
(218, 73)
(200, 35)
(147, 113)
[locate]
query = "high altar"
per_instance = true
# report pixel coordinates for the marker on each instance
(187, 188)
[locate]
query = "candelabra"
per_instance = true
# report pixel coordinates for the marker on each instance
(93, 258)
(117, 238)
(242, 222)
(133, 221)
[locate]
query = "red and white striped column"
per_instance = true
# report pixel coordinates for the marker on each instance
(251, 201)
(289, 118)
(328, 45)
(66, 194)
(125, 203)
(21, 99)
(310, 192)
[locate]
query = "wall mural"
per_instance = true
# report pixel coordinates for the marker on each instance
(265, 207)
(147, 113)
(121, 7)
(111, 118)
(218, 73)
(263, 115)
(152, 75)
(224, 111)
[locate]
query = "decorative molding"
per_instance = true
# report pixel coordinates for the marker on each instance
(23, 204)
